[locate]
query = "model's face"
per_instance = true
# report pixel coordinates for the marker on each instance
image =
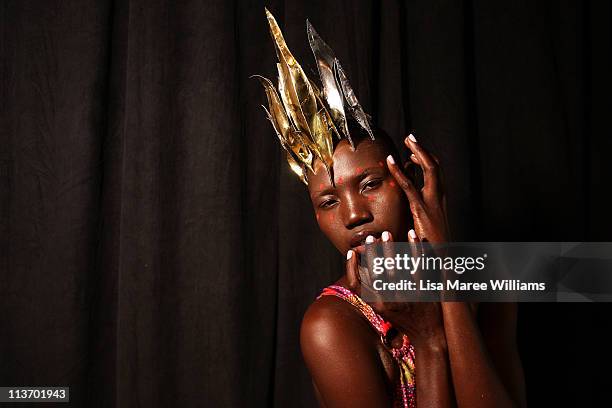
(365, 201)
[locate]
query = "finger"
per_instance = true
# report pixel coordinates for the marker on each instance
(414, 241)
(352, 272)
(370, 254)
(422, 155)
(404, 182)
(388, 248)
(416, 159)
(389, 252)
(428, 164)
(361, 270)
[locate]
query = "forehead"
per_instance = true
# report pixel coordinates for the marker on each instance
(349, 162)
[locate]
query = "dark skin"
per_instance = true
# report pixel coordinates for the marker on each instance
(465, 356)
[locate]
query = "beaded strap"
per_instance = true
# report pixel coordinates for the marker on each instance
(404, 356)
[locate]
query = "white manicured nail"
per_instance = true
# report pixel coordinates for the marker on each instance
(390, 159)
(411, 137)
(349, 254)
(412, 234)
(369, 239)
(385, 236)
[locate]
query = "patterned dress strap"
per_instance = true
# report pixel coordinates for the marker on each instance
(374, 318)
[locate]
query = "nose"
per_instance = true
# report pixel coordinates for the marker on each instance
(356, 212)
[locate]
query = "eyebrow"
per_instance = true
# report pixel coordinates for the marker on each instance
(365, 173)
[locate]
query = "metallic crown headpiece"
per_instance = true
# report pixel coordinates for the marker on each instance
(303, 117)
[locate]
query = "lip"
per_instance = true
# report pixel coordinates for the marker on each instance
(358, 239)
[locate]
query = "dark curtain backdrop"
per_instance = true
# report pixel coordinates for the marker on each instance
(156, 250)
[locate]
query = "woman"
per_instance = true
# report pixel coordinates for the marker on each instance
(383, 354)
(463, 357)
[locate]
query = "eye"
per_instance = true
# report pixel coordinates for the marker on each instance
(330, 202)
(371, 184)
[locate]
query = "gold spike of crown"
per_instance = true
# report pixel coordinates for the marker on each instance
(304, 118)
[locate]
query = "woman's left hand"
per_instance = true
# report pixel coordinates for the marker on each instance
(427, 205)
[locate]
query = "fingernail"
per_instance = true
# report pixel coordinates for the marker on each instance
(369, 239)
(412, 234)
(385, 236)
(390, 159)
(413, 157)
(411, 137)
(349, 254)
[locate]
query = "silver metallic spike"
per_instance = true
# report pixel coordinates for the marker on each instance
(332, 94)
(351, 99)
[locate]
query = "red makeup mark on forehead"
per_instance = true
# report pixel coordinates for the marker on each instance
(358, 169)
(392, 183)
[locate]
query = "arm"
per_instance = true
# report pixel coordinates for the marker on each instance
(477, 375)
(434, 386)
(476, 362)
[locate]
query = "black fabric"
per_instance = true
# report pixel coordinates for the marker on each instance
(155, 248)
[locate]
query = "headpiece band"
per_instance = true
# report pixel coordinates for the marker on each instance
(304, 117)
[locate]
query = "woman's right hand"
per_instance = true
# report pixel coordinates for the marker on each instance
(422, 322)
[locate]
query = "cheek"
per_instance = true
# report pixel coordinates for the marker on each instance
(331, 226)
(391, 208)
(326, 220)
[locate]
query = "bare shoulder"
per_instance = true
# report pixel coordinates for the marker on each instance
(339, 349)
(330, 321)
